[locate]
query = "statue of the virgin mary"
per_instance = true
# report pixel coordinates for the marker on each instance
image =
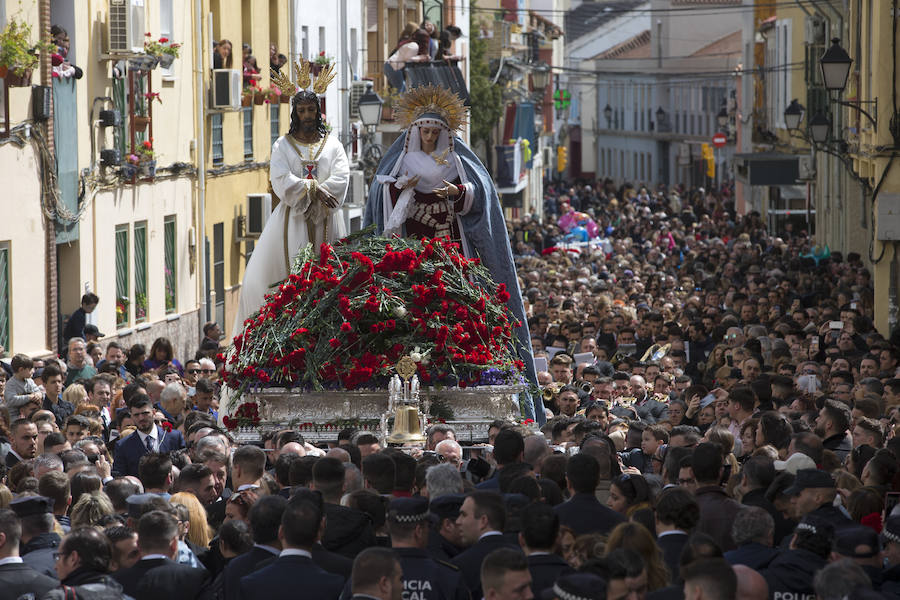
(430, 183)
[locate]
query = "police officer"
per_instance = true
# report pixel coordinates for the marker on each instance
(423, 578)
(443, 537)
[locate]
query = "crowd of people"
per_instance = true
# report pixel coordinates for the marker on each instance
(720, 424)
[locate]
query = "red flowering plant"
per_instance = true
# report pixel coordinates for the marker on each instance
(160, 46)
(342, 320)
(247, 415)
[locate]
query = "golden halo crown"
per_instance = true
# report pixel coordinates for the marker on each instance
(304, 78)
(425, 99)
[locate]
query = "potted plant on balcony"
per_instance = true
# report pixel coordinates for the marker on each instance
(321, 61)
(129, 168)
(273, 95)
(165, 50)
(18, 55)
(387, 109)
(147, 159)
(247, 95)
(141, 120)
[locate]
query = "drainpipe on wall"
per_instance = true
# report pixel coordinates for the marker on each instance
(892, 290)
(52, 281)
(200, 116)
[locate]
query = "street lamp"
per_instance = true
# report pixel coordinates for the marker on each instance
(607, 112)
(835, 65)
(369, 105)
(819, 126)
(793, 114)
(540, 78)
(660, 116)
(722, 118)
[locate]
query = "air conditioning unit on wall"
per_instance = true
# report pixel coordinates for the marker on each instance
(259, 207)
(226, 89)
(357, 89)
(356, 191)
(125, 27)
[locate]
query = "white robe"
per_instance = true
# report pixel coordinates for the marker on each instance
(288, 222)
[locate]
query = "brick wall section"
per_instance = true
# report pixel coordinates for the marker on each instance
(49, 224)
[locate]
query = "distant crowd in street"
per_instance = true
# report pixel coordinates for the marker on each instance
(721, 418)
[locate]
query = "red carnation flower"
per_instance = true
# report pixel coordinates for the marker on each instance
(345, 326)
(163, 40)
(334, 343)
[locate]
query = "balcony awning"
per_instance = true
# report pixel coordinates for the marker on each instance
(439, 73)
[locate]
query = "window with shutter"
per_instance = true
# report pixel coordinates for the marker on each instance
(123, 302)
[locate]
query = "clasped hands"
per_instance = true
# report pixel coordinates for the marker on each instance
(327, 199)
(449, 190)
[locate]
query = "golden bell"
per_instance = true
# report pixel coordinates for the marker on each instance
(407, 426)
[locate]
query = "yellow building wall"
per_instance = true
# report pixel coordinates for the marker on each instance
(223, 196)
(258, 23)
(871, 160)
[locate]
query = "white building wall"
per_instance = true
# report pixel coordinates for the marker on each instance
(126, 206)
(23, 231)
(322, 32)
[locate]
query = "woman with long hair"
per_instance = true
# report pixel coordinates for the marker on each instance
(134, 362)
(775, 430)
(90, 509)
(628, 494)
(635, 536)
(223, 55)
(162, 354)
(198, 533)
(407, 50)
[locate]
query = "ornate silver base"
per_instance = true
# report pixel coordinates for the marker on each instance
(320, 416)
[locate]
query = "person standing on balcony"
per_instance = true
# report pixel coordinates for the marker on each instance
(407, 50)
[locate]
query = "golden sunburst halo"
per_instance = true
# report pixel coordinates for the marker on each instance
(424, 99)
(304, 78)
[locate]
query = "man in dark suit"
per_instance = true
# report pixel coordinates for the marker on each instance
(347, 531)
(39, 541)
(482, 518)
(717, 510)
(23, 445)
(677, 513)
(753, 533)
(540, 528)
(757, 473)
(148, 438)
(583, 513)
(17, 579)
(265, 519)
(376, 574)
(293, 573)
(157, 575)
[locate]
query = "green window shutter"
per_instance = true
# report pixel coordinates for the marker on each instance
(141, 303)
(169, 264)
(4, 297)
(122, 300)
